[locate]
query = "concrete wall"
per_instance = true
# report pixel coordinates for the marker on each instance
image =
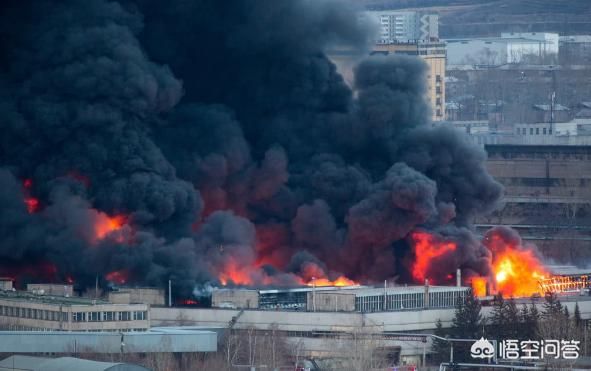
(331, 301)
(230, 298)
(141, 295)
(119, 297)
(6, 284)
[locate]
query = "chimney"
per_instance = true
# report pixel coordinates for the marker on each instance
(458, 277)
(426, 298)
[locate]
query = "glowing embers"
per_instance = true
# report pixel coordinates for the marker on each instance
(427, 248)
(120, 277)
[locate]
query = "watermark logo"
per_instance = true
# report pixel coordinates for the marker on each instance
(539, 349)
(527, 350)
(482, 349)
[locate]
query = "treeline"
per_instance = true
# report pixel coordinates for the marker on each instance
(508, 321)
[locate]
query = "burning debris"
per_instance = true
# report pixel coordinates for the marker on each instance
(130, 154)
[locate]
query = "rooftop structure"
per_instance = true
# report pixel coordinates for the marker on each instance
(28, 363)
(157, 340)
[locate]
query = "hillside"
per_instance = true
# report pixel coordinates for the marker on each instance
(459, 18)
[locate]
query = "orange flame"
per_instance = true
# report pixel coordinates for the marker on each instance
(426, 249)
(517, 272)
(107, 224)
(341, 281)
(479, 286)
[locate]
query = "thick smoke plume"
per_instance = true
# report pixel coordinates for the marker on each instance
(215, 142)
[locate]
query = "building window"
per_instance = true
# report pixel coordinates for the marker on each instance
(550, 131)
(139, 316)
(537, 131)
(437, 78)
(438, 101)
(108, 316)
(438, 113)
(531, 131)
(79, 317)
(438, 89)
(94, 316)
(544, 131)
(123, 316)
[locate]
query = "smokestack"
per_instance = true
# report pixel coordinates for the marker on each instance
(458, 277)
(169, 293)
(426, 298)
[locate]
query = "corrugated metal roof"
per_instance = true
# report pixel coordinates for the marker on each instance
(29, 363)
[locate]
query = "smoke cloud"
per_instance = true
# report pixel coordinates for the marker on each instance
(215, 142)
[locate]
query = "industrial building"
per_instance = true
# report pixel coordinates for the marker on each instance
(530, 47)
(30, 311)
(341, 299)
(155, 340)
(543, 183)
(28, 363)
(333, 334)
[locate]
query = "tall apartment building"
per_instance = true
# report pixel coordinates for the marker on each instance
(434, 54)
(404, 25)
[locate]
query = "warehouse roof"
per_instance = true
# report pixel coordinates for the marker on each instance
(29, 363)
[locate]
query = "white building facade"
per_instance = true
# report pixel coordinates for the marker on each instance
(404, 25)
(529, 48)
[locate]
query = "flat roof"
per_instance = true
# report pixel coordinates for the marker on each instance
(568, 270)
(24, 296)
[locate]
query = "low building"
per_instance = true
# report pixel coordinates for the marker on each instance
(235, 298)
(137, 295)
(6, 283)
(27, 311)
(51, 289)
(25, 363)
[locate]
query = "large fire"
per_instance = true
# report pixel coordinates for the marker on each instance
(426, 250)
(517, 272)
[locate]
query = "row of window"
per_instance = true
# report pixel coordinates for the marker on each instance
(51, 315)
(46, 315)
(109, 316)
(378, 303)
(523, 131)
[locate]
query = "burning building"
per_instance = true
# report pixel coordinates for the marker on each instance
(129, 154)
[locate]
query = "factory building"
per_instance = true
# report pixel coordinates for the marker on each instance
(29, 311)
(341, 299)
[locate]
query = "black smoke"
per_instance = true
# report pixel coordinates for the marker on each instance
(225, 136)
